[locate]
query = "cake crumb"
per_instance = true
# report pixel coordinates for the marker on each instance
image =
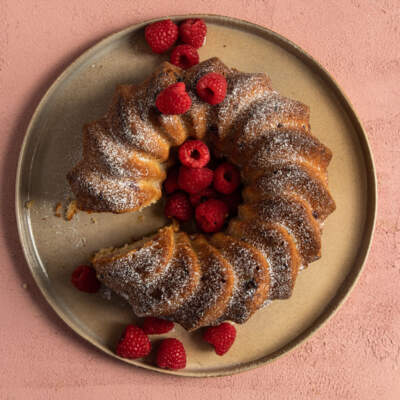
(58, 210)
(81, 242)
(28, 204)
(106, 293)
(71, 210)
(175, 225)
(93, 220)
(24, 286)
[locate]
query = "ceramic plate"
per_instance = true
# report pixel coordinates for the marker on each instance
(53, 246)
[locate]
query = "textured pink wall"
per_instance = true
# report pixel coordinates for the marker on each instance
(357, 354)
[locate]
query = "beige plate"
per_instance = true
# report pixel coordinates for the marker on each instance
(53, 247)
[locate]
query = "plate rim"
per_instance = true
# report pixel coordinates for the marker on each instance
(371, 211)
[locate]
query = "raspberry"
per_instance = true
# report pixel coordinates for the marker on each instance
(152, 325)
(184, 56)
(179, 207)
(171, 354)
(174, 99)
(194, 154)
(221, 337)
(201, 197)
(212, 88)
(194, 180)
(211, 215)
(84, 278)
(171, 183)
(226, 178)
(161, 35)
(193, 32)
(134, 343)
(233, 201)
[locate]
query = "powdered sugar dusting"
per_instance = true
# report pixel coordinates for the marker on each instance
(111, 155)
(288, 177)
(213, 295)
(293, 214)
(275, 249)
(128, 271)
(101, 192)
(136, 132)
(292, 145)
(243, 89)
(139, 267)
(251, 278)
(181, 280)
(272, 109)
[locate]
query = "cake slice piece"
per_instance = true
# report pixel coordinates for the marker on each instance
(252, 279)
(216, 287)
(131, 268)
(97, 144)
(295, 215)
(98, 191)
(293, 177)
(243, 89)
(279, 249)
(268, 110)
(130, 128)
(179, 283)
(283, 144)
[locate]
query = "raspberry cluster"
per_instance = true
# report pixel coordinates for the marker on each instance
(135, 343)
(211, 195)
(174, 99)
(162, 35)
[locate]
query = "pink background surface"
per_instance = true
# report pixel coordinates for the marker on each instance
(356, 355)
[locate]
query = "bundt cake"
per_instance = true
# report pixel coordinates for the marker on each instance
(200, 280)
